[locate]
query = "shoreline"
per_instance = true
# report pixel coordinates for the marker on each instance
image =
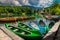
(14, 19)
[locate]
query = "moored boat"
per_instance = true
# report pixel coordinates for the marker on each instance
(26, 27)
(27, 35)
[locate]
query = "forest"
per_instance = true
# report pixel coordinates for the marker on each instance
(14, 11)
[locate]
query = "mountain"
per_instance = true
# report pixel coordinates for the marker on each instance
(33, 3)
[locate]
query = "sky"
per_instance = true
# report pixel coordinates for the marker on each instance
(35, 3)
(59, 1)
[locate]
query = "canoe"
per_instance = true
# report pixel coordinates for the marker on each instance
(26, 27)
(36, 26)
(33, 27)
(27, 35)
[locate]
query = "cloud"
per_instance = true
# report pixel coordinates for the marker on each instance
(35, 3)
(45, 3)
(15, 2)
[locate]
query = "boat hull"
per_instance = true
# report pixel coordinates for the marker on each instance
(33, 36)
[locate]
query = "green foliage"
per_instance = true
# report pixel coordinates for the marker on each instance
(54, 9)
(11, 11)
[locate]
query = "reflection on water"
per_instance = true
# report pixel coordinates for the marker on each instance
(2, 24)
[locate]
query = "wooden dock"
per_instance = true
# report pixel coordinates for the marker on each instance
(5, 34)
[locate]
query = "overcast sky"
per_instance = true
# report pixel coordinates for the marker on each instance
(35, 3)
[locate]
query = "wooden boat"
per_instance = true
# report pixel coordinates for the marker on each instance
(27, 35)
(26, 27)
(33, 27)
